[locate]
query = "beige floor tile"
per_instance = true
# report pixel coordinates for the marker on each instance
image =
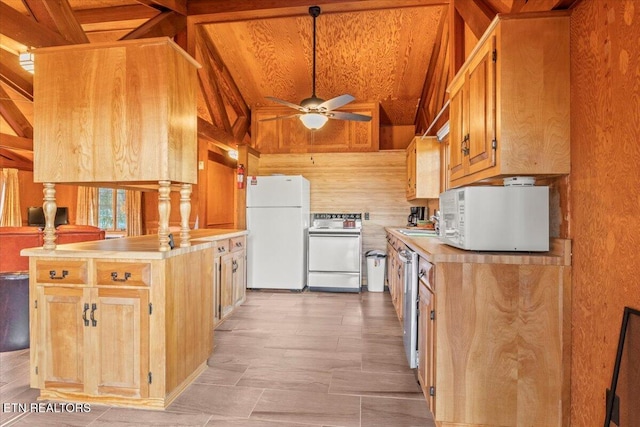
(379, 384)
(235, 422)
(222, 374)
(395, 412)
(306, 407)
(55, 416)
(286, 378)
(215, 399)
(299, 342)
(119, 417)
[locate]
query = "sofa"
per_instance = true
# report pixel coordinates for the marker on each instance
(14, 276)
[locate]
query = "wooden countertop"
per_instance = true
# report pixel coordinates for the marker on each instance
(140, 247)
(433, 250)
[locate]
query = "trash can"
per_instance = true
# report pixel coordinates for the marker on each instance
(375, 270)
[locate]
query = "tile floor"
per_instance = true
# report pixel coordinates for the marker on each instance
(282, 359)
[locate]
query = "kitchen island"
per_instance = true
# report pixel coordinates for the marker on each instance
(122, 322)
(494, 332)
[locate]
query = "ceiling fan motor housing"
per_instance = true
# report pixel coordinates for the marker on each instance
(312, 102)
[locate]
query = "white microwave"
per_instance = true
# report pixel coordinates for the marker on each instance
(493, 218)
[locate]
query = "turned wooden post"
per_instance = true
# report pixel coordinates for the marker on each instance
(185, 211)
(49, 207)
(164, 208)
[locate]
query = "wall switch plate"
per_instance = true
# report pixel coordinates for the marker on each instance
(366, 215)
(201, 165)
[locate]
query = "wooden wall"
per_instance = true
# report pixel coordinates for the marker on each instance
(352, 183)
(31, 195)
(605, 192)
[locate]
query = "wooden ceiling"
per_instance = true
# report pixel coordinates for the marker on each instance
(398, 53)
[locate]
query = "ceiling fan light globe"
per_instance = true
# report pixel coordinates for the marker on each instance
(313, 121)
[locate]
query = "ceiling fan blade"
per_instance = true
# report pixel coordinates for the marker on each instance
(336, 102)
(279, 117)
(340, 115)
(287, 103)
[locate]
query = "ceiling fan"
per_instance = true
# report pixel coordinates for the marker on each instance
(314, 112)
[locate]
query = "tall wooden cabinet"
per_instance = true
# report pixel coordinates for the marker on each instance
(510, 101)
(423, 168)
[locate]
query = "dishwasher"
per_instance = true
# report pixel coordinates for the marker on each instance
(409, 261)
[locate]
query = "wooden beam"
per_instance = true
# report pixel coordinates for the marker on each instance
(541, 5)
(240, 127)
(476, 14)
(164, 24)
(178, 6)
(9, 159)
(15, 142)
(225, 80)
(26, 31)
(208, 79)
(220, 138)
(57, 16)
(13, 116)
(14, 76)
(115, 13)
(456, 39)
(205, 11)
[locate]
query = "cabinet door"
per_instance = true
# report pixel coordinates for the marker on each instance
(482, 109)
(426, 330)
(457, 132)
(61, 337)
(226, 284)
(217, 271)
(239, 276)
(411, 171)
(119, 342)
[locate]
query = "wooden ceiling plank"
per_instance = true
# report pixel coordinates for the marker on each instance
(12, 142)
(206, 11)
(541, 5)
(456, 39)
(25, 30)
(115, 13)
(57, 16)
(476, 14)
(225, 79)
(9, 159)
(178, 6)
(13, 116)
(14, 76)
(164, 24)
(211, 92)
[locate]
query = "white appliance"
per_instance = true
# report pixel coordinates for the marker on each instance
(335, 248)
(409, 260)
(495, 218)
(277, 220)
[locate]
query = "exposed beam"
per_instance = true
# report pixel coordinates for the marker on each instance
(220, 138)
(15, 142)
(57, 16)
(240, 127)
(476, 14)
(14, 76)
(225, 80)
(211, 92)
(165, 24)
(25, 30)
(115, 13)
(9, 159)
(456, 39)
(179, 6)
(13, 116)
(202, 11)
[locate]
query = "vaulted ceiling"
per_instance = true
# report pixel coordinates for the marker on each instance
(398, 53)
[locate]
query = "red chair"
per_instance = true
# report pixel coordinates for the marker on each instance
(12, 241)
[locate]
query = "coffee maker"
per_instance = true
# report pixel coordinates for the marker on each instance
(416, 216)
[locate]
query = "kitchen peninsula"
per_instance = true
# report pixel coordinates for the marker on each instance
(493, 333)
(122, 322)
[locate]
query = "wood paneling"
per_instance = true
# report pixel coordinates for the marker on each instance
(352, 182)
(605, 196)
(220, 195)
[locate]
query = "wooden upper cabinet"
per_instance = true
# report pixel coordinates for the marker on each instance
(115, 112)
(423, 168)
(510, 101)
(290, 136)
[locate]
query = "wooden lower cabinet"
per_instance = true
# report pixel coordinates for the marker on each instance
(125, 332)
(426, 336)
(232, 276)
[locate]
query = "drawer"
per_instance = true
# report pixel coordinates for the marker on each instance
(61, 272)
(237, 244)
(222, 247)
(110, 273)
(426, 273)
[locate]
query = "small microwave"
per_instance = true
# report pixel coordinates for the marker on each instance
(496, 218)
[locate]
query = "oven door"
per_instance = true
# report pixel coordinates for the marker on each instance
(334, 252)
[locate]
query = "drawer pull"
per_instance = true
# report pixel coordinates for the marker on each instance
(94, 307)
(53, 275)
(114, 276)
(84, 314)
(421, 274)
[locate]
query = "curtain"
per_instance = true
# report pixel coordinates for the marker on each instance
(134, 212)
(87, 206)
(10, 198)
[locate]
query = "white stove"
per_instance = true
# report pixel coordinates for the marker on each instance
(335, 252)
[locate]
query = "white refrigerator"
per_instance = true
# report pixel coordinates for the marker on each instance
(277, 221)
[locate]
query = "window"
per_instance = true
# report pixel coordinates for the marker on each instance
(112, 214)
